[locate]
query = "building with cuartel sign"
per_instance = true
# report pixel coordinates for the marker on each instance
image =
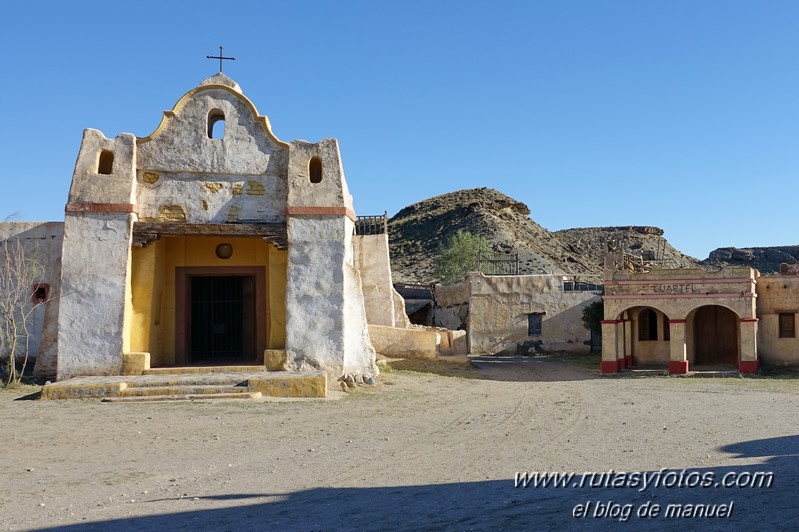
(688, 318)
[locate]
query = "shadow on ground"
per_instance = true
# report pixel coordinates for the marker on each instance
(499, 504)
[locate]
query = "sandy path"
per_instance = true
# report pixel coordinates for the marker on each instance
(434, 449)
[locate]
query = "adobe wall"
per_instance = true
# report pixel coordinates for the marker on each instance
(384, 306)
(326, 325)
(679, 291)
(184, 175)
(499, 307)
(776, 295)
(41, 242)
(676, 295)
(95, 257)
(451, 306)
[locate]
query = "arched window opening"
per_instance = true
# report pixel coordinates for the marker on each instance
(106, 163)
(41, 293)
(216, 124)
(647, 325)
(315, 170)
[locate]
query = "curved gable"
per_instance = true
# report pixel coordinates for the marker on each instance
(181, 142)
(191, 169)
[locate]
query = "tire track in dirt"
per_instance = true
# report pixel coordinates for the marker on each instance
(533, 400)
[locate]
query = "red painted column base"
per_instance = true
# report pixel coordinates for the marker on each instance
(748, 366)
(628, 361)
(609, 366)
(678, 367)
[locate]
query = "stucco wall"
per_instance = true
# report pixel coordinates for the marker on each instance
(95, 258)
(41, 242)
(499, 307)
(677, 292)
(776, 295)
(382, 302)
(414, 342)
(680, 295)
(451, 306)
(183, 175)
(326, 325)
(89, 186)
(95, 288)
(326, 321)
(451, 295)
(648, 352)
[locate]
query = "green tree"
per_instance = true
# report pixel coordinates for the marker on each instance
(459, 256)
(593, 314)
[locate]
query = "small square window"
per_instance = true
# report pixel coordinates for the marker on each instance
(787, 325)
(534, 324)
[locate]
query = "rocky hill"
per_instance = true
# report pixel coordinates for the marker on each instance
(646, 242)
(765, 259)
(417, 231)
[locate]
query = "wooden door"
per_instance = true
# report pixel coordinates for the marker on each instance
(715, 336)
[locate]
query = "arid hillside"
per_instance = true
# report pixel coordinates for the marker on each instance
(417, 232)
(765, 259)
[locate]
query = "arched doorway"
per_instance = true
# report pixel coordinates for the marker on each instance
(650, 336)
(715, 336)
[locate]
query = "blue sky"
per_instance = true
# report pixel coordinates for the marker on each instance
(679, 114)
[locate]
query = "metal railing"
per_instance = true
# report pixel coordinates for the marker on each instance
(582, 286)
(372, 225)
(498, 263)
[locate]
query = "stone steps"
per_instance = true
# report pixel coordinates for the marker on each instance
(182, 397)
(184, 370)
(192, 385)
(183, 389)
(192, 379)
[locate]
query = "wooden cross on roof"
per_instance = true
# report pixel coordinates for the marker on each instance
(220, 57)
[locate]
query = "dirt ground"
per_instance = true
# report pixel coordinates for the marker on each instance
(432, 446)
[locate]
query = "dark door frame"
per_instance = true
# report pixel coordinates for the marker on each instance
(183, 303)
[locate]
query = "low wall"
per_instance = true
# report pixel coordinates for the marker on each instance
(411, 342)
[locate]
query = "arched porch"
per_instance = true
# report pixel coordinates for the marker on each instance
(707, 335)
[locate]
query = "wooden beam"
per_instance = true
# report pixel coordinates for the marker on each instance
(146, 232)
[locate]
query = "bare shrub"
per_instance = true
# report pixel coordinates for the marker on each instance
(21, 273)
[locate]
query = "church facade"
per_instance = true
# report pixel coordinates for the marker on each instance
(208, 242)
